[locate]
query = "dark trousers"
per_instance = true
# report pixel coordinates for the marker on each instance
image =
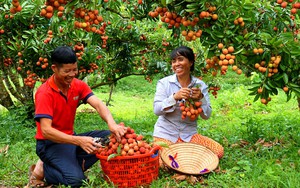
(64, 163)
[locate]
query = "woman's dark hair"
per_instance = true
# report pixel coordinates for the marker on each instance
(186, 52)
(63, 55)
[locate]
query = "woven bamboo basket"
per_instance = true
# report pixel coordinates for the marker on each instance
(189, 158)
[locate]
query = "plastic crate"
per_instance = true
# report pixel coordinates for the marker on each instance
(131, 171)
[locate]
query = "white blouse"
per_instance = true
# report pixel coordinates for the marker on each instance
(169, 124)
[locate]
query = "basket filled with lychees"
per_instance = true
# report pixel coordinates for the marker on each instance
(130, 162)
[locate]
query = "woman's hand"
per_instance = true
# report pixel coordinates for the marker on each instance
(196, 93)
(183, 93)
(186, 93)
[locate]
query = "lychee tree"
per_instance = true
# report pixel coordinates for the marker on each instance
(259, 38)
(110, 39)
(118, 38)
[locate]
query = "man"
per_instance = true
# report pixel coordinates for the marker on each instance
(65, 155)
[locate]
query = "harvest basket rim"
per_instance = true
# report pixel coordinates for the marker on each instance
(151, 152)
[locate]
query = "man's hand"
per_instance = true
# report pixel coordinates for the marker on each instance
(118, 131)
(87, 144)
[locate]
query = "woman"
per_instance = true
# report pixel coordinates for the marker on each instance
(181, 87)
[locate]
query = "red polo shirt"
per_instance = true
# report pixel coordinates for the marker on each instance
(51, 103)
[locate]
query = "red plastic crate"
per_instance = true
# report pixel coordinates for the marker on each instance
(131, 171)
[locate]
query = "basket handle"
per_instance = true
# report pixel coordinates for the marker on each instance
(155, 151)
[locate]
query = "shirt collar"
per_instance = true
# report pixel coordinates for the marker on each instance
(52, 83)
(173, 79)
(54, 86)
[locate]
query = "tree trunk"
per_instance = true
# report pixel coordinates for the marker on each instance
(5, 99)
(110, 94)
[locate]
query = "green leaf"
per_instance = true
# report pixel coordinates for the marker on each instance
(275, 91)
(169, 1)
(253, 89)
(253, 93)
(239, 39)
(11, 47)
(270, 84)
(162, 144)
(6, 7)
(35, 49)
(267, 87)
(265, 36)
(119, 150)
(285, 78)
(28, 32)
(294, 85)
(250, 36)
(248, 6)
(278, 77)
(283, 67)
(239, 51)
(289, 96)
(217, 35)
(296, 91)
(111, 156)
(256, 98)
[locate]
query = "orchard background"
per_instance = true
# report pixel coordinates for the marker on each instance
(117, 42)
(114, 39)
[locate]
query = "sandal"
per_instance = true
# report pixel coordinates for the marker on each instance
(34, 179)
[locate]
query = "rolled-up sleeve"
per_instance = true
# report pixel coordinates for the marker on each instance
(162, 101)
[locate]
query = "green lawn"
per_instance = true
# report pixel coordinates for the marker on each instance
(261, 142)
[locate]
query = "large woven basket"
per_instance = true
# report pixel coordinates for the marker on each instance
(190, 158)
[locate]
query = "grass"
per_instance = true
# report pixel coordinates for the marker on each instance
(261, 142)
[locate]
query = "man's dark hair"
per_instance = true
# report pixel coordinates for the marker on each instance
(63, 55)
(186, 52)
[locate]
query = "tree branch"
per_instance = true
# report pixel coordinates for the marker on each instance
(115, 80)
(116, 12)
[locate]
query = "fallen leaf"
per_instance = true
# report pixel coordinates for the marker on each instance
(225, 142)
(244, 143)
(278, 161)
(217, 170)
(192, 179)
(4, 149)
(267, 144)
(247, 104)
(257, 149)
(179, 177)
(276, 141)
(260, 141)
(234, 145)
(200, 179)
(293, 165)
